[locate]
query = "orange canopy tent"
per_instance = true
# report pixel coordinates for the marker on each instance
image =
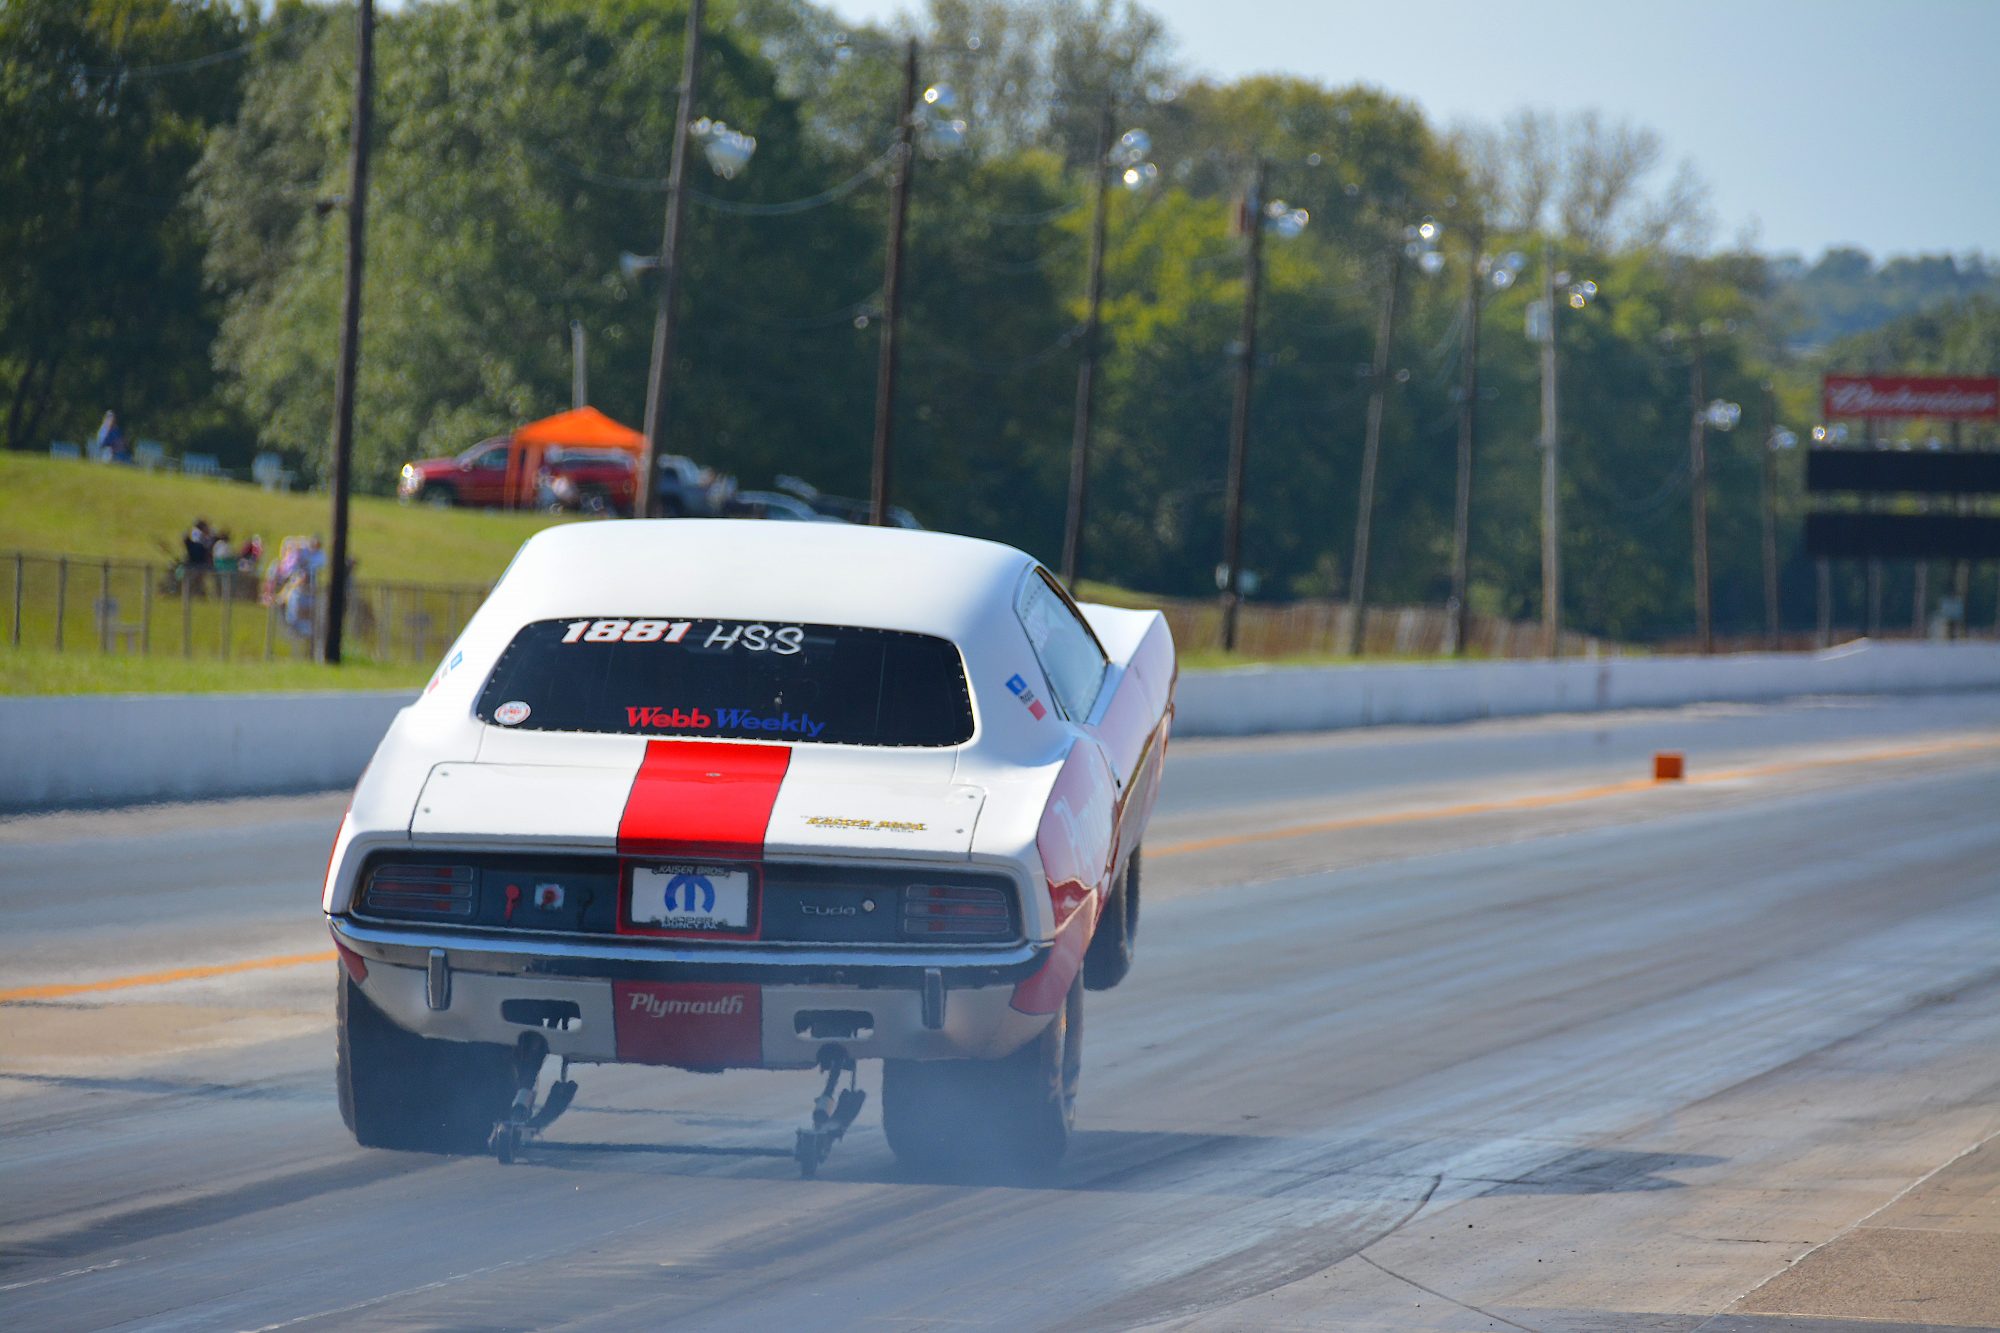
(578, 428)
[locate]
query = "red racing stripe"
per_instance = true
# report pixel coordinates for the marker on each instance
(702, 798)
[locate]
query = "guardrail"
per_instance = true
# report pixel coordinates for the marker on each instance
(93, 604)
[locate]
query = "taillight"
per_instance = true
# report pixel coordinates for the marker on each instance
(939, 912)
(428, 890)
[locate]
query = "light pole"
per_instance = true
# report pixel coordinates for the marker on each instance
(1128, 158)
(647, 503)
(1716, 414)
(1500, 273)
(1541, 325)
(1239, 412)
(932, 115)
(1822, 566)
(728, 152)
(1420, 247)
(1776, 440)
(1253, 217)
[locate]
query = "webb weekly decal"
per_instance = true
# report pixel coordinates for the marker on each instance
(733, 719)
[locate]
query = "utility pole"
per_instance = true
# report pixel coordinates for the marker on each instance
(1770, 513)
(892, 294)
(579, 370)
(1239, 414)
(1551, 499)
(1086, 371)
(350, 330)
(1371, 453)
(659, 384)
(1468, 425)
(1704, 628)
(1961, 577)
(1874, 562)
(1823, 578)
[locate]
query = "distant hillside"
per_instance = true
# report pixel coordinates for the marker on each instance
(1959, 338)
(1847, 293)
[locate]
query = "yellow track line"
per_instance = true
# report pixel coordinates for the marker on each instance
(162, 978)
(1573, 797)
(1540, 802)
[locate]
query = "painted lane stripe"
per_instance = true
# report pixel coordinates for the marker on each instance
(1576, 796)
(162, 978)
(702, 798)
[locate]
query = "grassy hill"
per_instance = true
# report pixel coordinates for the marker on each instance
(58, 506)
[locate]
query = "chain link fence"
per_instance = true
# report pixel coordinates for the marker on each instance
(1319, 629)
(86, 604)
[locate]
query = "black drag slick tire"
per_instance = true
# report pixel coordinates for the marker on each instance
(1109, 957)
(1008, 1118)
(416, 1094)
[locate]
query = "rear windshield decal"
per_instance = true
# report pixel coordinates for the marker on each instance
(731, 680)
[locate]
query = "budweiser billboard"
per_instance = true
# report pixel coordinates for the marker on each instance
(1962, 397)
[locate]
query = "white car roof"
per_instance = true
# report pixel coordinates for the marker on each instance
(830, 574)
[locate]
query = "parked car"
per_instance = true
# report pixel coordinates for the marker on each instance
(689, 490)
(678, 821)
(588, 481)
(476, 479)
(597, 455)
(772, 505)
(841, 507)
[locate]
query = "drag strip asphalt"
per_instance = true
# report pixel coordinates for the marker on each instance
(1442, 1028)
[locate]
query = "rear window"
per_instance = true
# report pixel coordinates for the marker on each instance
(737, 679)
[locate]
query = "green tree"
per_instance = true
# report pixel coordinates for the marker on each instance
(104, 107)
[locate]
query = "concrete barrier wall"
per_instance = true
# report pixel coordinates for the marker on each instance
(118, 749)
(1253, 700)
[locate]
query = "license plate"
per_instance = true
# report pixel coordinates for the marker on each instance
(690, 897)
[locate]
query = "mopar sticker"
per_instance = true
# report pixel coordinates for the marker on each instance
(512, 713)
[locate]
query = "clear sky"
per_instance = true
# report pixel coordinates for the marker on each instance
(1815, 122)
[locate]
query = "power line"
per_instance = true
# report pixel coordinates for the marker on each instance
(747, 208)
(744, 208)
(197, 62)
(1063, 342)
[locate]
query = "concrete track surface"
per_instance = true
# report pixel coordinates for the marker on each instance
(1454, 1028)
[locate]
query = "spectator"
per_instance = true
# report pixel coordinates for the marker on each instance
(293, 580)
(111, 444)
(199, 555)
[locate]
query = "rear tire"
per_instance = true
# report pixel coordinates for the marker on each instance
(1112, 946)
(1010, 1116)
(417, 1094)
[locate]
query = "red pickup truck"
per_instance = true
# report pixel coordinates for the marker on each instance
(588, 480)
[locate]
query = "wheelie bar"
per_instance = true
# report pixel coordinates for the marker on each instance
(833, 1111)
(523, 1120)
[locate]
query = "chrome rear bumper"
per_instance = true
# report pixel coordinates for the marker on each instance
(631, 1006)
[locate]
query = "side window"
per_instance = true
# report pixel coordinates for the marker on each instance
(493, 460)
(1063, 644)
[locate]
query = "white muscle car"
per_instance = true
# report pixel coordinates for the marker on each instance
(719, 795)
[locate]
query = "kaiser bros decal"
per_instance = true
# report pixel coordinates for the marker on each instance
(693, 1025)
